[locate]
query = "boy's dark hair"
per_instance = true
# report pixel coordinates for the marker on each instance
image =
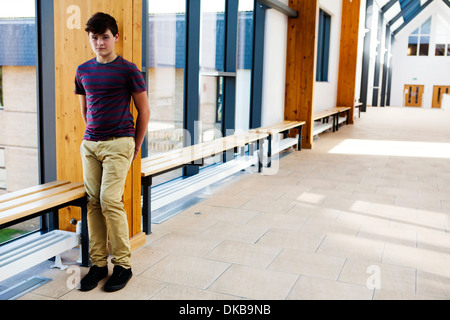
(100, 22)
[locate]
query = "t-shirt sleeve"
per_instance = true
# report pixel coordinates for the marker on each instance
(136, 81)
(79, 89)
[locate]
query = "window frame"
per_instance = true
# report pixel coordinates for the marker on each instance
(418, 45)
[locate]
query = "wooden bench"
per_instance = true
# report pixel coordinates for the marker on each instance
(339, 119)
(282, 128)
(325, 115)
(22, 253)
(194, 155)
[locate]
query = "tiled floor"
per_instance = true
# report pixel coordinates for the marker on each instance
(364, 215)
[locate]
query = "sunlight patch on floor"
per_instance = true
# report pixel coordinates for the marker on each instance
(393, 148)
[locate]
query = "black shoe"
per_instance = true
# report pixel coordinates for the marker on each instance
(118, 279)
(91, 279)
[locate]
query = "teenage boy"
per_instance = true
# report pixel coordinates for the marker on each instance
(105, 86)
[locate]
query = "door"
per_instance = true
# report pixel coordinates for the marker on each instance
(413, 95)
(438, 91)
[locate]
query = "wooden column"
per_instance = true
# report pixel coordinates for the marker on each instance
(301, 66)
(348, 55)
(72, 48)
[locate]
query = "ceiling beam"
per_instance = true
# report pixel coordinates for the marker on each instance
(404, 11)
(281, 7)
(414, 15)
(388, 5)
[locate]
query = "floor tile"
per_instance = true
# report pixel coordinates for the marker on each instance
(300, 240)
(379, 276)
(254, 283)
(187, 271)
(312, 288)
(244, 254)
(309, 264)
(346, 246)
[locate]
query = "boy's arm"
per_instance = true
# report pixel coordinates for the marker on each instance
(83, 107)
(141, 103)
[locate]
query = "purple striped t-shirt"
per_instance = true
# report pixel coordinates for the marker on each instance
(108, 88)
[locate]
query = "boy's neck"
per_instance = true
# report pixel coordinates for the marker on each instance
(107, 59)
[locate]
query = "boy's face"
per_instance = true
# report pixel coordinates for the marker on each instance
(103, 44)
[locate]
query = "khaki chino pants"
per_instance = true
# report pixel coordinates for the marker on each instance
(105, 168)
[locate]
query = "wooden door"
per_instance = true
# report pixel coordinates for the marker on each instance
(438, 91)
(413, 94)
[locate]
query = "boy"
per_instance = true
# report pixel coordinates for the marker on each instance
(105, 86)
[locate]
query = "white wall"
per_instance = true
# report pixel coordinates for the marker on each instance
(325, 93)
(274, 76)
(275, 63)
(422, 70)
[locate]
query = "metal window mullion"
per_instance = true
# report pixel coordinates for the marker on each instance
(230, 63)
(144, 69)
(366, 56)
(191, 78)
(45, 86)
(376, 78)
(259, 17)
(389, 81)
(385, 68)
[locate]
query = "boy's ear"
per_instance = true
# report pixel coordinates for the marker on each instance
(116, 37)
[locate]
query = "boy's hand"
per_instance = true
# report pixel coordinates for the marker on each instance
(136, 152)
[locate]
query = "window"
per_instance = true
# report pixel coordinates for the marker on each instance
(166, 53)
(323, 47)
(419, 40)
(440, 49)
(1, 89)
(442, 38)
(212, 62)
(244, 64)
(19, 166)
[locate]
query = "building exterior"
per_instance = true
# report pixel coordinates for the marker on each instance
(422, 58)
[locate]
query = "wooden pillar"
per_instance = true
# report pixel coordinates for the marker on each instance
(72, 48)
(301, 66)
(348, 55)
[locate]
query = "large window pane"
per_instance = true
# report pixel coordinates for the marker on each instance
(244, 64)
(212, 57)
(166, 45)
(18, 104)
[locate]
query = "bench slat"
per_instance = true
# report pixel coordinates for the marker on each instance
(167, 161)
(41, 205)
(280, 127)
(31, 190)
(38, 196)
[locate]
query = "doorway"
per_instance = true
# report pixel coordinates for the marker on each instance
(438, 92)
(413, 94)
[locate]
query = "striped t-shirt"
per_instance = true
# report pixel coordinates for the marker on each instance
(108, 88)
